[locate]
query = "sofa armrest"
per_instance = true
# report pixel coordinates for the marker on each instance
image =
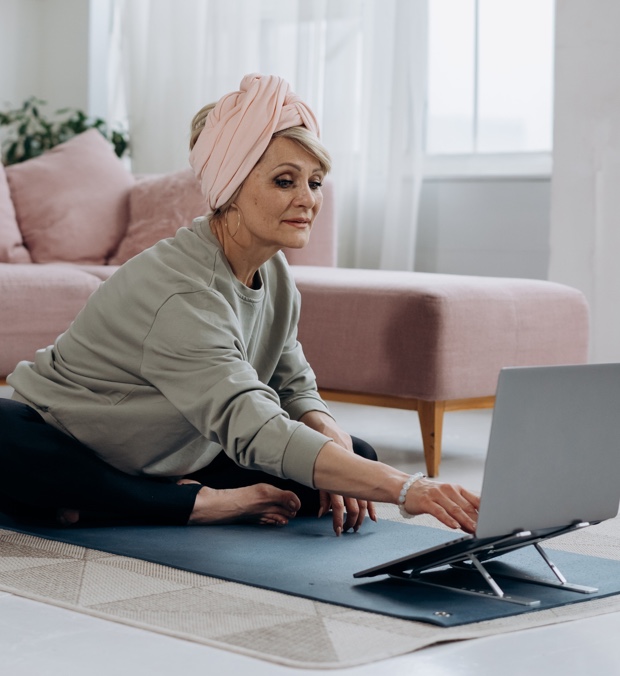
(322, 249)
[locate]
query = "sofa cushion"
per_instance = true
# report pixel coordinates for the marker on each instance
(431, 336)
(38, 303)
(12, 248)
(158, 207)
(71, 202)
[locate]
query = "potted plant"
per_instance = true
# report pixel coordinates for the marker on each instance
(30, 133)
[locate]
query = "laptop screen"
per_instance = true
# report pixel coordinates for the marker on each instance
(554, 449)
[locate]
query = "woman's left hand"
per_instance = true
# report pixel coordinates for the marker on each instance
(356, 511)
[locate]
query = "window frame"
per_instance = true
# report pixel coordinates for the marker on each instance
(481, 164)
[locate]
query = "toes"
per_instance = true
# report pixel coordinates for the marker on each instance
(292, 500)
(260, 503)
(273, 520)
(67, 517)
(276, 498)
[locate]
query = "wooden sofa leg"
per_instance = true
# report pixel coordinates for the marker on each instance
(430, 414)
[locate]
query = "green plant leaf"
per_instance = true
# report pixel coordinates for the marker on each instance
(30, 132)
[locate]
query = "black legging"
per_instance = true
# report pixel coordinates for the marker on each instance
(42, 469)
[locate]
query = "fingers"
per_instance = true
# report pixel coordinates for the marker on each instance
(337, 502)
(452, 505)
(372, 512)
(471, 497)
(355, 510)
(356, 513)
(325, 503)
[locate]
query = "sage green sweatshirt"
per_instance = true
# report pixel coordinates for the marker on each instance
(174, 359)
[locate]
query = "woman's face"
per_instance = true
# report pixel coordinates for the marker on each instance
(280, 198)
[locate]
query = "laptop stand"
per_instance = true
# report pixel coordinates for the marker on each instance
(473, 561)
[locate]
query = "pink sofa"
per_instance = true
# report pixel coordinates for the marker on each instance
(69, 218)
(424, 342)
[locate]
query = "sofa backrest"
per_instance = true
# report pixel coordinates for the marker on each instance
(12, 249)
(78, 203)
(161, 204)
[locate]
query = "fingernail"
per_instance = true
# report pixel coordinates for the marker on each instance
(293, 505)
(339, 531)
(321, 512)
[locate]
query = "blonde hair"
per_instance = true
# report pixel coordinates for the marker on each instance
(310, 143)
(304, 137)
(198, 123)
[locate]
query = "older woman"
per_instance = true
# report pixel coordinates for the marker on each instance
(180, 393)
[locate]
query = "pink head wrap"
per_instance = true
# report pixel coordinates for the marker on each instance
(238, 130)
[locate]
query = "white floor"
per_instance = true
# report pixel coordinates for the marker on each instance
(42, 640)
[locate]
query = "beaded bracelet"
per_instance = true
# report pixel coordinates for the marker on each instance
(403, 494)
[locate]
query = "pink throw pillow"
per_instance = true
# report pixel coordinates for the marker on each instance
(12, 248)
(158, 207)
(71, 202)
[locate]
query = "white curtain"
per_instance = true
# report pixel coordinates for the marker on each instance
(361, 65)
(585, 212)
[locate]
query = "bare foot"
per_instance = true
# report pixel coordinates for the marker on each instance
(262, 503)
(67, 517)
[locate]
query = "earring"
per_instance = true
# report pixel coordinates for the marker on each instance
(232, 235)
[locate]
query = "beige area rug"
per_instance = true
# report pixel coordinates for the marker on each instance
(256, 622)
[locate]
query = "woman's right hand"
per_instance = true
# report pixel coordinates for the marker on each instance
(451, 504)
(340, 472)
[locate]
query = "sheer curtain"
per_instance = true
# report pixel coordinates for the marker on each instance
(361, 64)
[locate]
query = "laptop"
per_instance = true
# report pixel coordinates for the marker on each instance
(552, 466)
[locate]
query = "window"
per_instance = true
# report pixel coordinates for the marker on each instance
(490, 77)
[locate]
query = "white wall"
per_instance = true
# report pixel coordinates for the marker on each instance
(64, 53)
(44, 52)
(585, 232)
(492, 227)
(20, 34)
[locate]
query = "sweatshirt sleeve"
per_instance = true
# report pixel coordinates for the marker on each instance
(294, 380)
(194, 355)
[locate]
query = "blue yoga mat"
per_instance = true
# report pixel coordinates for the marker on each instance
(306, 559)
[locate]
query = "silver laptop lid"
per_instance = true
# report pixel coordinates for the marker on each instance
(554, 449)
